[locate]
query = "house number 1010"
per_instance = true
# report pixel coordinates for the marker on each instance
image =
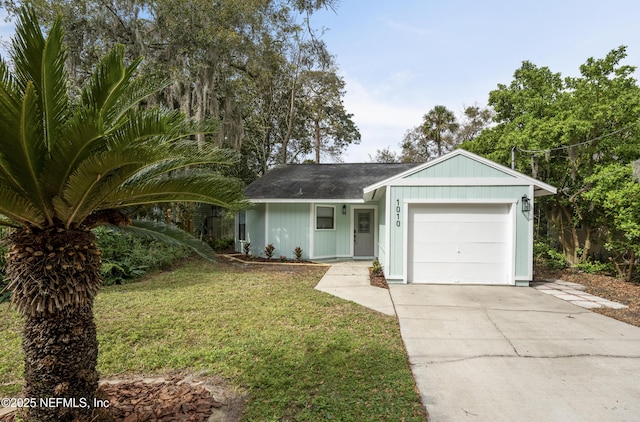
(397, 213)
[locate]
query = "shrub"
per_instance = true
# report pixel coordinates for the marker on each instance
(298, 253)
(283, 258)
(549, 256)
(125, 257)
(269, 250)
(223, 244)
(246, 248)
(376, 267)
(595, 267)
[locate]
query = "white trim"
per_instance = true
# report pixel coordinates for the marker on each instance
(305, 201)
(529, 180)
(266, 224)
(332, 256)
(387, 230)
(458, 181)
(512, 217)
(459, 201)
(352, 216)
(315, 218)
(312, 224)
(529, 276)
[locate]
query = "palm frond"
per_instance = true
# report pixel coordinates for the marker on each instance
(83, 137)
(139, 89)
(109, 82)
(27, 47)
(190, 186)
(168, 234)
(16, 207)
(207, 157)
(94, 179)
(32, 151)
(53, 85)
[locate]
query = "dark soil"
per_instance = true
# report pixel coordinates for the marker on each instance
(378, 280)
(252, 258)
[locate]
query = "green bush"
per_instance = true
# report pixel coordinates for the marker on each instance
(125, 257)
(595, 267)
(223, 244)
(549, 256)
(376, 267)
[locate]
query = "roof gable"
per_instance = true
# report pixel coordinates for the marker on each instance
(463, 167)
(458, 166)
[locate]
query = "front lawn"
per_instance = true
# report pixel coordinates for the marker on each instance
(300, 354)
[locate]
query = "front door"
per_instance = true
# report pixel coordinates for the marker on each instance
(363, 232)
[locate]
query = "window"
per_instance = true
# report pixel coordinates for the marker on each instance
(325, 218)
(242, 226)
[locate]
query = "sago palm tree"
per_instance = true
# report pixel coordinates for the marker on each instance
(68, 164)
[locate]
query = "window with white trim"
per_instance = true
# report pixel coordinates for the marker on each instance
(325, 218)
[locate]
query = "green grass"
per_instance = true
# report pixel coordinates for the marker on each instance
(300, 354)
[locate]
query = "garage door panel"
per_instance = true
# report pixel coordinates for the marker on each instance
(454, 252)
(452, 231)
(459, 243)
(468, 273)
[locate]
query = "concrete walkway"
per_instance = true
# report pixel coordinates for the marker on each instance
(350, 280)
(487, 353)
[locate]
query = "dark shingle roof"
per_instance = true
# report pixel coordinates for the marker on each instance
(322, 181)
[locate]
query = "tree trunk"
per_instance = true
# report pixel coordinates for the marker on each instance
(316, 133)
(569, 245)
(54, 276)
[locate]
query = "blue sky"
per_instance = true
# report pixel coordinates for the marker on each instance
(399, 59)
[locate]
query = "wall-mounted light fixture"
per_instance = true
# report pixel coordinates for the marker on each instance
(344, 209)
(526, 203)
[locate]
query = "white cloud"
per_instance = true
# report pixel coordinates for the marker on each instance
(403, 27)
(382, 120)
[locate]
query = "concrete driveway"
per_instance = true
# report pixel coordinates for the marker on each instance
(481, 353)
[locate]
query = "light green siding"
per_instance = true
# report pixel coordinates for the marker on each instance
(336, 242)
(459, 166)
(254, 223)
(382, 230)
(400, 195)
(287, 228)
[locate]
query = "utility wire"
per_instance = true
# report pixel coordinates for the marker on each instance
(576, 145)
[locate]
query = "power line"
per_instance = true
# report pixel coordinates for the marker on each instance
(579, 144)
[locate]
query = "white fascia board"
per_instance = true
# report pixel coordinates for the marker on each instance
(459, 181)
(305, 201)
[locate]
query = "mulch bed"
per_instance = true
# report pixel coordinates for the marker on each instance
(625, 292)
(252, 258)
(378, 280)
(168, 399)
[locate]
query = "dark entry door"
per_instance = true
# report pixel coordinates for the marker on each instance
(363, 236)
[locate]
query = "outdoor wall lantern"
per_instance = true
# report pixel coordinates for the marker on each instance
(344, 209)
(526, 203)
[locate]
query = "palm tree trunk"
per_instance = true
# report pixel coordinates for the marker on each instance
(54, 276)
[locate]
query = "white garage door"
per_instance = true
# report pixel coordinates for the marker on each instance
(459, 243)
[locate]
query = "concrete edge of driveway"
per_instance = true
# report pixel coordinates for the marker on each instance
(349, 280)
